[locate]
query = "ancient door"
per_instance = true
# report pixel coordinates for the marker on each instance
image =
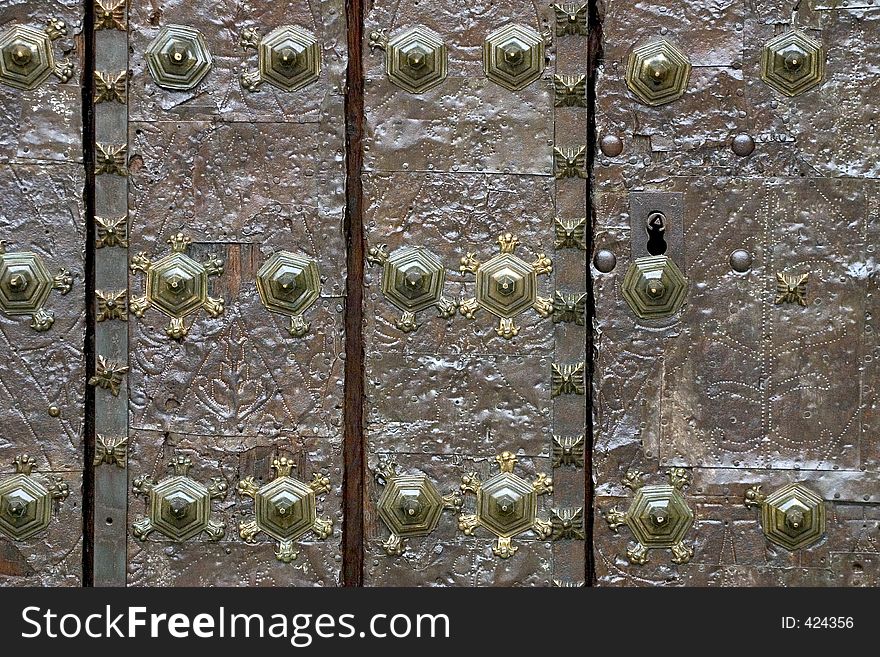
(438, 293)
(734, 280)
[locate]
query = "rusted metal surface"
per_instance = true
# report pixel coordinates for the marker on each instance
(43, 374)
(450, 170)
(744, 388)
(245, 174)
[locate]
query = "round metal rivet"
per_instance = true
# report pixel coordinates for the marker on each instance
(604, 261)
(54, 411)
(743, 145)
(741, 261)
(611, 145)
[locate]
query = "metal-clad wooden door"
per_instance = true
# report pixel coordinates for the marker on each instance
(735, 167)
(229, 185)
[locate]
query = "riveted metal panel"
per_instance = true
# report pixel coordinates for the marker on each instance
(760, 380)
(450, 170)
(42, 377)
(245, 170)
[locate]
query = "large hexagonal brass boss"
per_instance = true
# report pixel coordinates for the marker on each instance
(793, 517)
(410, 505)
(285, 508)
(25, 283)
(412, 278)
(26, 58)
(793, 63)
(659, 516)
(25, 507)
(177, 285)
(507, 505)
(416, 59)
(178, 58)
(506, 285)
(654, 287)
(513, 56)
(289, 58)
(180, 507)
(288, 284)
(657, 72)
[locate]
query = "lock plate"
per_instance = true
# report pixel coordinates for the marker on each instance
(642, 205)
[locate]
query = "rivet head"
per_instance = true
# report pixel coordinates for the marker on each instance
(287, 57)
(611, 145)
(794, 518)
(17, 508)
(655, 289)
(21, 54)
(54, 411)
(604, 261)
(743, 145)
(18, 283)
(179, 507)
(741, 261)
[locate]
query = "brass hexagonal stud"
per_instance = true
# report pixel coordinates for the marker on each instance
(657, 72)
(289, 58)
(658, 517)
(26, 58)
(792, 517)
(180, 506)
(285, 509)
(178, 58)
(26, 500)
(654, 287)
(793, 63)
(25, 284)
(506, 505)
(506, 286)
(410, 505)
(289, 284)
(412, 280)
(416, 59)
(177, 286)
(513, 56)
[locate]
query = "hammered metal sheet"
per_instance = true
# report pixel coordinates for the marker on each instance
(446, 557)
(449, 170)
(245, 174)
(41, 182)
(743, 391)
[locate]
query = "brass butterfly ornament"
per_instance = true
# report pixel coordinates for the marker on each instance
(791, 288)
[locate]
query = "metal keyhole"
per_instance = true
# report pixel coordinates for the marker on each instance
(656, 228)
